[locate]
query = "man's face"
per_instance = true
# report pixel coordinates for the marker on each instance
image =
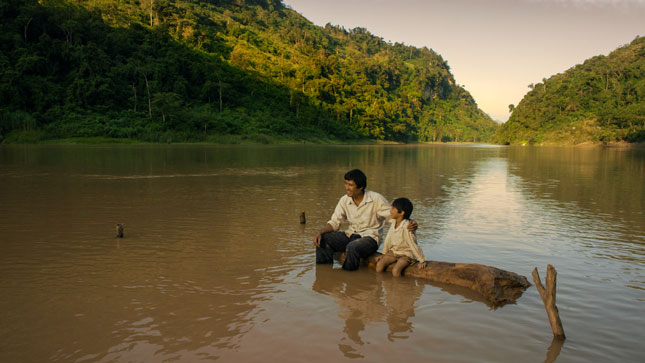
(351, 189)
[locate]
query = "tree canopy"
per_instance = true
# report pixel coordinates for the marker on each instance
(601, 100)
(173, 70)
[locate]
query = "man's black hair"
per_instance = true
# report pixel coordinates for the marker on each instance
(403, 205)
(358, 177)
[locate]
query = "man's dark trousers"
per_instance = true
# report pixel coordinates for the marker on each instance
(355, 246)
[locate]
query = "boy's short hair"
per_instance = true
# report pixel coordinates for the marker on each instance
(403, 205)
(358, 177)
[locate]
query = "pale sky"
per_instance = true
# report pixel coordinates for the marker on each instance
(495, 48)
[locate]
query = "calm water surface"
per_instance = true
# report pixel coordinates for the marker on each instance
(215, 266)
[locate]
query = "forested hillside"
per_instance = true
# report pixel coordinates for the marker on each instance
(601, 100)
(166, 70)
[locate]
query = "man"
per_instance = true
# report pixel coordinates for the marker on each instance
(366, 212)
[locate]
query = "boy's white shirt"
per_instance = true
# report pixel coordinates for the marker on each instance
(402, 242)
(366, 219)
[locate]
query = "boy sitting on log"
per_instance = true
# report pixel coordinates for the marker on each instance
(400, 248)
(366, 212)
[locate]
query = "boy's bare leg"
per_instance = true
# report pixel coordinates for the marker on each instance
(400, 265)
(384, 262)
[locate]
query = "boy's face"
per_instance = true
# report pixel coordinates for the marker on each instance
(395, 213)
(351, 189)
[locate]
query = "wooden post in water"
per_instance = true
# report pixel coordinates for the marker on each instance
(548, 298)
(119, 230)
(303, 220)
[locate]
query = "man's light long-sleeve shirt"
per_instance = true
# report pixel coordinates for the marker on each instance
(366, 219)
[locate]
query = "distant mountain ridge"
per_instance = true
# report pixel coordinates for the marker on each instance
(601, 100)
(172, 70)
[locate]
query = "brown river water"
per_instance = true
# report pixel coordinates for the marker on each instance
(215, 265)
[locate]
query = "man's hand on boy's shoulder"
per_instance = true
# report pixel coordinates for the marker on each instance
(413, 225)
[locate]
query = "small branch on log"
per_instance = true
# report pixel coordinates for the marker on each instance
(548, 298)
(497, 286)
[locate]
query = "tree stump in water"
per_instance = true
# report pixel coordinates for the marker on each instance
(119, 230)
(548, 298)
(497, 286)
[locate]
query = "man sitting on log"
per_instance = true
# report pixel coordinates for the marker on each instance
(366, 212)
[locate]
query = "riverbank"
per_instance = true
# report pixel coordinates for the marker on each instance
(253, 139)
(260, 139)
(591, 144)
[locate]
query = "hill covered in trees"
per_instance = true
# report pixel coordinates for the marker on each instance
(173, 70)
(601, 100)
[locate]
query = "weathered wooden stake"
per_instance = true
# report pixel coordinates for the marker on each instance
(548, 298)
(119, 230)
(303, 220)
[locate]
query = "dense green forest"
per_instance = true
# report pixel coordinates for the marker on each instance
(215, 70)
(601, 100)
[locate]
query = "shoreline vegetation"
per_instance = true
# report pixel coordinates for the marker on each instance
(256, 139)
(257, 72)
(601, 100)
(198, 71)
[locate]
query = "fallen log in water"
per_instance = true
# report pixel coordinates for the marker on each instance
(498, 286)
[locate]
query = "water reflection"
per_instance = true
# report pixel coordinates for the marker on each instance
(215, 263)
(591, 197)
(554, 350)
(366, 298)
(400, 298)
(161, 320)
(605, 183)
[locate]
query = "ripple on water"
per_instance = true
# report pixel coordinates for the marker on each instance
(215, 264)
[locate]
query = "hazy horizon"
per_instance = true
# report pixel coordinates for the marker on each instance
(496, 48)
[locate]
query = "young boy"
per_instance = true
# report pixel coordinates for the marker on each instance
(400, 245)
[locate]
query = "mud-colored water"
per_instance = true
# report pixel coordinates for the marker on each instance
(215, 265)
